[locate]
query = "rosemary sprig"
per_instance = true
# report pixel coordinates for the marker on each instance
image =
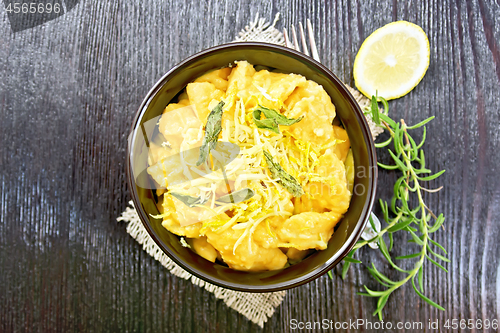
(419, 221)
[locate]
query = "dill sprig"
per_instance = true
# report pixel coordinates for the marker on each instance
(417, 220)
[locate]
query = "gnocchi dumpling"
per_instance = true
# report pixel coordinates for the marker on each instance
(311, 101)
(201, 94)
(332, 193)
(248, 256)
(270, 228)
(309, 230)
(217, 77)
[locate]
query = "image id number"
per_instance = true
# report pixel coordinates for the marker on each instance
(33, 8)
(471, 324)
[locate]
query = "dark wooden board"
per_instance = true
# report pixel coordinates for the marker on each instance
(68, 92)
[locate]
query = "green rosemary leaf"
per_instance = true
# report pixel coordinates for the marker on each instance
(398, 161)
(237, 196)
(372, 224)
(345, 269)
(404, 202)
(380, 275)
(383, 248)
(383, 144)
(437, 255)
(330, 274)
(416, 238)
(409, 256)
(380, 305)
(421, 171)
(273, 119)
(398, 143)
(411, 229)
(188, 200)
(378, 279)
(374, 293)
(347, 263)
(438, 245)
(388, 120)
(385, 104)
(393, 204)
(385, 209)
(423, 140)
(212, 131)
(431, 177)
(383, 206)
(420, 278)
(385, 252)
(436, 263)
(397, 185)
(284, 179)
(420, 124)
(425, 298)
(413, 188)
(421, 159)
(352, 260)
(375, 111)
(437, 224)
(428, 217)
(414, 212)
(387, 167)
(414, 150)
(400, 225)
(391, 241)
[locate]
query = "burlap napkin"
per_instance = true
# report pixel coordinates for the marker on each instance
(256, 307)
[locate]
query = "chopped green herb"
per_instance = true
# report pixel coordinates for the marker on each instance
(188, 200)
(284, 179)
(273, 119)
(212, 130)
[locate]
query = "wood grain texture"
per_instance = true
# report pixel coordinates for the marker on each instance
(69, 90)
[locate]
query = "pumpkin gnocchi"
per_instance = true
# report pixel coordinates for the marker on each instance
(280, 196)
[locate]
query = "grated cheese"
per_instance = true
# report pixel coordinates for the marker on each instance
(249, 169)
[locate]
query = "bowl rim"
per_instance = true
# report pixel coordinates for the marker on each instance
(367, 138)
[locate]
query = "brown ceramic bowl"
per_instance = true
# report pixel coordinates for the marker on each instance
(281, 59)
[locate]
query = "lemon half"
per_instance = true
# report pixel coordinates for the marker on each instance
(392, 60)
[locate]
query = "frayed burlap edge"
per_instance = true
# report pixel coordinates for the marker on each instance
(257, 307)
(260, 30)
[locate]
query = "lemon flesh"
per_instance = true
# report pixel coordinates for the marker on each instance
(392, 60)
